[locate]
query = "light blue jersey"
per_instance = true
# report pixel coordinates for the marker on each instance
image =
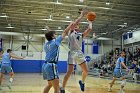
(49, 68)
(118, 63)
(118, 67)
(52, 49)
(6, 59)
(6, 64)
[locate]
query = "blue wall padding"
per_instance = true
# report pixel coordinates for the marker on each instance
(34, 66)
(95, 48)
(26, 66)
(62, 66)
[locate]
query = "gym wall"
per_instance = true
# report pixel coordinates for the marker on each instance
(36, 55)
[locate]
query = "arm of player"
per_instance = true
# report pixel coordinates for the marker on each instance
(122, 63)
(73, 24)
(88, 30)
(65, 32)
(83, 13)
(14, 56)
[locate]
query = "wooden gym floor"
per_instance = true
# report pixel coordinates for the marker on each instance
(33, 83)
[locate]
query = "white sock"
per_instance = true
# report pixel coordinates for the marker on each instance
(62, 88)
(11, 80)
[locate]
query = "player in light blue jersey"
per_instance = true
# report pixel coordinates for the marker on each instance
(49, 68)
(76, 56)
(118, 72)
(6, 65)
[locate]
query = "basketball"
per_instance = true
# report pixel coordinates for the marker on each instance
(91, 16)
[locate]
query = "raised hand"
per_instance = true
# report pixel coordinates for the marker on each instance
(84, 12)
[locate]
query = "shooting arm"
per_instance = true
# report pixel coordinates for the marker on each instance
(83, 13)
(88, 30)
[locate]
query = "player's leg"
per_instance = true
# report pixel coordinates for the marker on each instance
(10, 72)
(84, 71)
(50, 73)
(123, 83)
(84, 75)
(116, 74)
(55, 84)
(11, 75)
(1, 78)
(2, 74)
(111, 84)
(67, 76)
(48, 87)
(80, 59)
(71, 62)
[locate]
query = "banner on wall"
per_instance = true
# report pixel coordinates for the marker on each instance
(95, 48)
(0, 43)
(88, 58)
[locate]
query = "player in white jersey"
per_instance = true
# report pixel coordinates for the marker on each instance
(75, 55)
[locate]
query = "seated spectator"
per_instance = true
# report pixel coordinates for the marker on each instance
(134, 63)
(95, 65)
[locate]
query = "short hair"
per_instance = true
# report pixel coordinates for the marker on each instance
(49, 35)
(9, 50)
(122, 52)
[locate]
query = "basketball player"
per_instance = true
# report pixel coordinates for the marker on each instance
(51, 47)
(75, 55)
(11, 75)
(118, 72)
(6, 65)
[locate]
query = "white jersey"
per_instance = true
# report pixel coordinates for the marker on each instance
(75, 41)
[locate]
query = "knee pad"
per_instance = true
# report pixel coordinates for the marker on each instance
(123, 83)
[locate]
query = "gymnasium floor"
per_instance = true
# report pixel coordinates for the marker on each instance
(33, 83)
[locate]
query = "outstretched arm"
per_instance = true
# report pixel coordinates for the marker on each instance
(72, 25)
(14, 56)
(65, 32)
(88, 30)
(83, 13)
(122, 63)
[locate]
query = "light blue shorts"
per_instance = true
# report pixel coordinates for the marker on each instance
(117, 73)
(6, 68)
(50, 71)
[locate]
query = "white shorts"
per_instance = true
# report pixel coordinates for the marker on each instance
(76, 57)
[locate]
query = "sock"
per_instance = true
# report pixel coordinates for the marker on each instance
(83, 82)
(11, 79)
(62, 88)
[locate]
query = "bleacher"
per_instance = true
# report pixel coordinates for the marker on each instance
(105, 60)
